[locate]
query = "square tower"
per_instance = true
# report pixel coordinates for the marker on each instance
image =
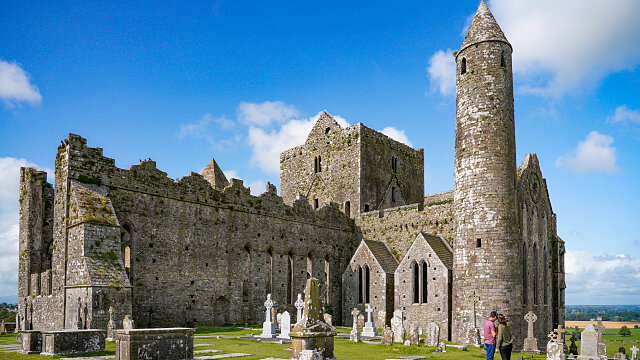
(356, 167)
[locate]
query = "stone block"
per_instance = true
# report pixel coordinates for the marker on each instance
(66, 342)
(31, 341)
(152, 344)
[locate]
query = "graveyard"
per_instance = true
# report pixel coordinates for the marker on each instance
(230, 343)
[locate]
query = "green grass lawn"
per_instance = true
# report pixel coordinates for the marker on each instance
(344, 349)
(613, 340)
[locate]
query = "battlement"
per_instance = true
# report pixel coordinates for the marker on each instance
(88, 165)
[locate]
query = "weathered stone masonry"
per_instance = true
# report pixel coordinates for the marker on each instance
(177, 252)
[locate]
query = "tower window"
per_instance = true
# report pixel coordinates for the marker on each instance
(393, 194)
(326, 131)
(463, 66)
(366, 207)
(502, 62)
(316, 203)
(315, 164)
(478, 243)
(347, 208)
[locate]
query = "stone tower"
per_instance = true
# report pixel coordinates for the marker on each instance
(486, 240)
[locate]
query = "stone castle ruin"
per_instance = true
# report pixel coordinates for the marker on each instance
(351, 212)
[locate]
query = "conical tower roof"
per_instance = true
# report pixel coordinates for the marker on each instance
(484, 27)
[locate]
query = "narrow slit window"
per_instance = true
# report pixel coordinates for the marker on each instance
(393, 194)
(425, 278)
(463, 66)
(319, 163)
(316, 203)
(502, 62)
(416, 283)
(478, 243)
(367, 282)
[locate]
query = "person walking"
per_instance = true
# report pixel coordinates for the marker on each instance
(504, 341)
(490, 332)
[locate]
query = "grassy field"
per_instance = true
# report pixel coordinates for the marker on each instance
(607, 324)
(613, 340)
(344, 350)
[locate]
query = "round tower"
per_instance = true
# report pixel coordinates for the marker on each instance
(487, 273)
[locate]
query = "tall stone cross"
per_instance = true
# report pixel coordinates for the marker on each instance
(299, 304)
(561, 331)
(268, 304)
(634, 352)
(474, 300)
(600, 328)
(530, 318)
(369, 311)
(355, 314)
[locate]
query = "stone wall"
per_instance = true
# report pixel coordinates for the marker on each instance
(196, 255)
(337, 176)
(399, 226)
(541, 248)
(381, 285)
(378, 178)
(352, 165)
(436, 307)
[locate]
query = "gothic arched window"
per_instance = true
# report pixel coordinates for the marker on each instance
(416, 283)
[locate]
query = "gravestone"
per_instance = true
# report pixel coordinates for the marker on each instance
(634, 352)
(268, 326)
(355, 333)
(285, 325)
(278, 319)
(299, 304)
(397, 326)
(382, 318)
(328, 318)
(311, 336)
(555, 346)
(127, 322)
(412, 336)
(621, 354)
(442, 347)
(163, 343)
(387, 336)
(360, 320)
(530, 342)
(369, 329)
(111, 326)
(589, 343)
(433, 334)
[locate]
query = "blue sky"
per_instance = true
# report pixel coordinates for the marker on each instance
(240, 81)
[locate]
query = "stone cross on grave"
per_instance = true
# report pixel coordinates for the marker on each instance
(269, 305)
(530, 318)
(355, 312)
(369, 327)
(299, 304)
(634, 352)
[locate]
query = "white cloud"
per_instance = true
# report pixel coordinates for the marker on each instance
(9, 207)
(397, 135)
(442, 72)
(15, 85)
(231, 174)
(596, 278)
(563, 46)
(594, 154)
(264, 114)
(266, 145)
(624, 114)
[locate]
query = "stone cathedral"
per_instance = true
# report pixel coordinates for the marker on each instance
(351, 212)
